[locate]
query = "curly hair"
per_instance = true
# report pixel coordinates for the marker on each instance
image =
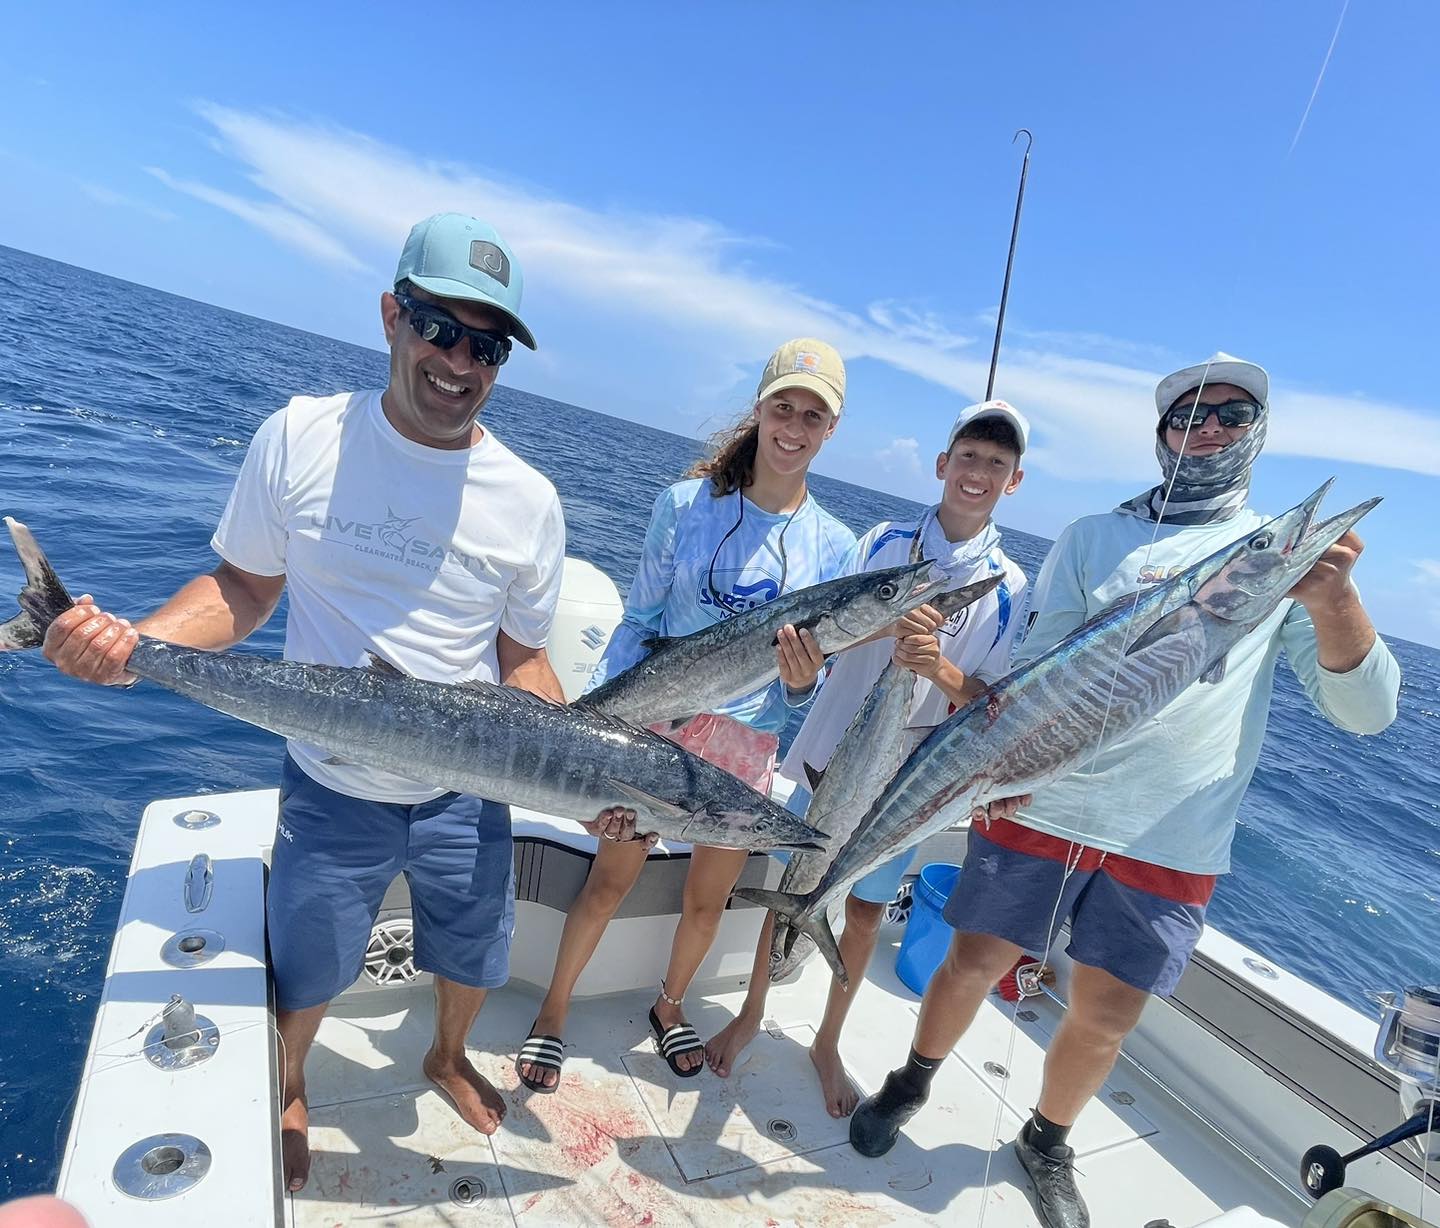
(730, 464)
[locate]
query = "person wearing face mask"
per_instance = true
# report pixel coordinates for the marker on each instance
(1128, 848)
(740, 530)
(404, 529)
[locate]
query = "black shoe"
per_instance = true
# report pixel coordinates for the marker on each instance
(875, 1123)
(1056, 1199)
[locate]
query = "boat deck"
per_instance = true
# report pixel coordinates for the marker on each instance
(625, 1142)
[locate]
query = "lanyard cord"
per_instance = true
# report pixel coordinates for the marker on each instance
(726, 604)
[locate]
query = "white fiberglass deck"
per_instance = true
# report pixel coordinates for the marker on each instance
(625, 1142)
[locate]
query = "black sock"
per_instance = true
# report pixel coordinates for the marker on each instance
(1044, 1135)
(914, 1077)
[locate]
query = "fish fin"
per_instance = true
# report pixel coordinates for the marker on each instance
(381, 666)
(793, 909)
(42, 600)
(648, 801)
(657, 641)
(666, 728)
(1159, 629)
(1215, 672)
(814, 775)
(22, 631)
(781, 903)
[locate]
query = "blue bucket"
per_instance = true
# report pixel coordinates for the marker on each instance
(927, 936)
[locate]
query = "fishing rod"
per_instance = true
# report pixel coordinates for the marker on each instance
(1009, 259)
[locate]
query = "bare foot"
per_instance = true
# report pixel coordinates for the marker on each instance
(544, 1025)
(729, 1042)
(295, 1143)
(669, 1016)
(473, 1095)
(840, 1095)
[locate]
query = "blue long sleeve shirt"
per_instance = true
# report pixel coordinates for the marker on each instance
(691, 575)
(1169, 792)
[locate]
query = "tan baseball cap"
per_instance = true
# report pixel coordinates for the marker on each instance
(806, 363)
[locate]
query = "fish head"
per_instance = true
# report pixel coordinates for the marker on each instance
(1246, 580)
(875, 599)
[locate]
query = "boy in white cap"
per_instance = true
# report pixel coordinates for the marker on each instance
(953, 660)
(1128, 848)
(402, 528)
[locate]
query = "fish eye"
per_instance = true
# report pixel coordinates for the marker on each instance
(1261, 541)
(887, 591)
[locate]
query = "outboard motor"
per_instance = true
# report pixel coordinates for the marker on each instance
(1409, 1043)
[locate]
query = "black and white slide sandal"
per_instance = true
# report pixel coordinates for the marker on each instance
(673, 1043)
(542, 1053)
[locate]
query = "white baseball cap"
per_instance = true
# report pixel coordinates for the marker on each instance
(1219, 368)
(992, 409)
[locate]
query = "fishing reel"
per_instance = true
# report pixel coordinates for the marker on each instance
(1408, 1042)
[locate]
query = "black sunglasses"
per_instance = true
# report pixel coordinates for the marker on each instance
(1231, 414)
(444, 331)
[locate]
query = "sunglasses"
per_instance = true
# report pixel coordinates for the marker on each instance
(1231, 414)
(444, 331)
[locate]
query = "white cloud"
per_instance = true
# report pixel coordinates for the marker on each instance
(277, 221)
(99, 193)
(1427, 571)
(901, 457)
(686, 283)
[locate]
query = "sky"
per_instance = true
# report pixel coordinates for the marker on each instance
(687, 186)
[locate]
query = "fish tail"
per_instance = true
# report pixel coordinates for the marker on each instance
(795, 909)
(42, 600)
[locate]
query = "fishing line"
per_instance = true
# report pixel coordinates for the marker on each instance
(1427, 1140)
(1334, 38)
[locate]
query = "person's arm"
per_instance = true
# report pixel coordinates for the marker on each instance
(648, 595)
(917, 648)
(1350, 675)
(527, 669)
(1344, 634)
(213, 612)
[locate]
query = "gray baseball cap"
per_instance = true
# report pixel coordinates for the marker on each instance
(1219, 368)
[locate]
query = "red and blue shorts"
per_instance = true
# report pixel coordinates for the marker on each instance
(1137, 921)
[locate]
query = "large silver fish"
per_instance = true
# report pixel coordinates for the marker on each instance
(492, 741)
(863, 763)
(689, 674)
(1050, 717)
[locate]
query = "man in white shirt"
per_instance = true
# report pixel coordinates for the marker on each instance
(406, 530)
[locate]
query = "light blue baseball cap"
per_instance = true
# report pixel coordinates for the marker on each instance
(451, 255)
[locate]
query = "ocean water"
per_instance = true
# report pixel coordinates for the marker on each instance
(124, 413)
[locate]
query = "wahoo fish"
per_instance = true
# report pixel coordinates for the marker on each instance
(1043, 721)
(491, 741)
(689, 674)
(862, 764)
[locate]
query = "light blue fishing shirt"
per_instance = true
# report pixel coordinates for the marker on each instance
(671, 592)
(1168, 793)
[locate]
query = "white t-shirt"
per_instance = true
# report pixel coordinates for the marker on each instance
(418, 554)
(977, 639)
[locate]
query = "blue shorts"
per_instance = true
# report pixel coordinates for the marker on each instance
(1136, 921)
(336, 855)
(881, 885)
